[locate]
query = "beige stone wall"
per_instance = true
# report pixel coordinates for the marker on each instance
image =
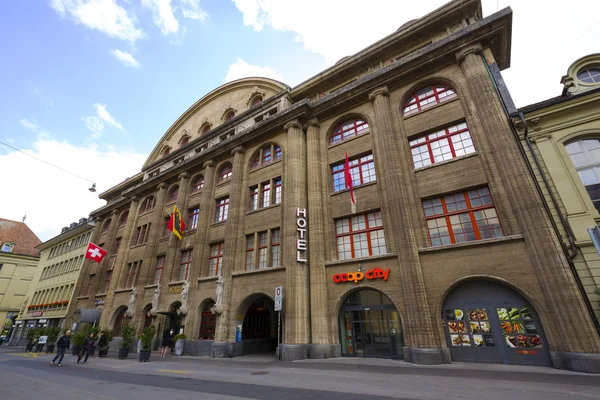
(16, 275)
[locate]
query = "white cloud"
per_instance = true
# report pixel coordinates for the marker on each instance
(43, 189)
(106, 117)
(33, 126)
(103, 15)
(241, 69)
(96, 123)
(162, 15)
(191, 9)
(126, 58)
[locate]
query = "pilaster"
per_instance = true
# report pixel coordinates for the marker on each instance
(173, 256)
(102, 268)
(148, 264)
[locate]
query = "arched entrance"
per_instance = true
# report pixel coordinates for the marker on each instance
(174, 318)
(487, 322)
(258, 331)
(369, 326)
(121, 320)
(208, 322)
(148, 318)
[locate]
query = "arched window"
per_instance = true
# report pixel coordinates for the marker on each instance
(120, 322)
(225, 173)
(106, 226)
(208, 322)
(147, 205)
(426, 98)
(123, 219)
(205, 129)
(267, 154)
(256, 101)
(589, 75)
(348, 129)
(185, 140)
(173, 193)
(229, 116)
(166, 151)
(585, 155)
(198, 184)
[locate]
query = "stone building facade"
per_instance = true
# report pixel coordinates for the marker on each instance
(446, 252)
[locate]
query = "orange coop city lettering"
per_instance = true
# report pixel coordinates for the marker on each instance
(375, 273)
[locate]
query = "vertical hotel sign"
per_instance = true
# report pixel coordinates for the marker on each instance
(301, 242)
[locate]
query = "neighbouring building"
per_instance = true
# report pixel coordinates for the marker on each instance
(52, 289)
(447, 252)
(19, 259)
(561, 137)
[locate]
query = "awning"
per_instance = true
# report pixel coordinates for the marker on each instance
(87, 315)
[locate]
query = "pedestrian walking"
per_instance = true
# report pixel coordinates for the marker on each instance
(87, 349)
(166, 341)
(102, 345)
(62, 345)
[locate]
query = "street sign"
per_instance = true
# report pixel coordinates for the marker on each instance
(278, 298)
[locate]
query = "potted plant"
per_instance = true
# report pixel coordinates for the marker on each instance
(103, 351)
(52, 332)
(30, 336)
(179, 343)
(127, 334)
(77, 340)
(146, 343)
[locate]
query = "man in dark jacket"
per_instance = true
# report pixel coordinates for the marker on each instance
(102, 345)
(62, 345)
(87, 349)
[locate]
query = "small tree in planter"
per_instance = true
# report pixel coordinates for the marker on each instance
(53, 332)
(179, 343)
(77, 340)
(30, 336)
(127, 334)
(37, 334)
(146, 339)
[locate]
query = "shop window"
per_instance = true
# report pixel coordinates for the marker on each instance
(215, 259)
(222, 209)
(208, 322)
(349, 129)
(462, 217)
(160, 264)
(147, 205)
(198, 184)
(362, 170)
(360, 236)
(585, 155)
(427, 98)
(225, 173)
(444, 144)
(266, 155)
(184, 265)
(173, 193)
(193, 215)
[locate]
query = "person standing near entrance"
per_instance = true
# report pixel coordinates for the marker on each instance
(102, 345)
(62, 345)
(87, 349)
(166, 341)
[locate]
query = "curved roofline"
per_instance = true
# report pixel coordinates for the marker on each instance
(207, 98)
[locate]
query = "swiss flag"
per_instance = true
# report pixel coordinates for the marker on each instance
(95, 253)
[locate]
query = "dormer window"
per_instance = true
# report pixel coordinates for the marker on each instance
(229, 116)
(166, 151)
(204, 129)
(185, 140)
(7, 247)
(257, 101)
(589, 75)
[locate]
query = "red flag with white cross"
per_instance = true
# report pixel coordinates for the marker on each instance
(95, 253)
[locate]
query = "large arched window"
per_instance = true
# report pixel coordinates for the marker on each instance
(267, 154)
(426, 98)
(197, 184)
(147, 205)
(348, 129)
(225, 173)
(208, 322)
(123, 219)
(173, 193)
(585, 155)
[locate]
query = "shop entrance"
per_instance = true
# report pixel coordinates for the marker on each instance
(258, 331)
(488, 322)
(369, 326)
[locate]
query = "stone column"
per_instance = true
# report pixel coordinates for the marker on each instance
(297, 328)
(423, 344)
(224, 344)
(149, 262)
(567, 324)
(321, 346)
(173, 256)
(110, 249)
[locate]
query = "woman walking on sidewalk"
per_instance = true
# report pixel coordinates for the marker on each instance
(87, 349)
(62, 345)
(166, 341)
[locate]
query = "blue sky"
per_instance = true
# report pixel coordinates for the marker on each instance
(68, 98)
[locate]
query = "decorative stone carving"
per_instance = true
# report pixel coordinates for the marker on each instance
(185, 290)
(155, 301)
(228, 109)
(203, 124)
(256, 91)
(218, 307)
(131, 306)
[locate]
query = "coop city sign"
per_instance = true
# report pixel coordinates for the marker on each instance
(375, 273)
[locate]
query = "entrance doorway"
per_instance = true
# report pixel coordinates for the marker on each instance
(488, 322)
(120, 321)
(258, 330)
(369, 326)
(174, 318)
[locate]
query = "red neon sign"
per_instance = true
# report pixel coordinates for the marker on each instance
(375, 273)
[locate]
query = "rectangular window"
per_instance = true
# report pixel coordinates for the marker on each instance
(160, 264)
(117, 245)
(216, 259)
(184, 266)
(141, 235)
(362, 170)
(275, 248)
(266, 194)
(132, 271)
(107, 281)
(222, 209)
(254, 198)
(277, 184)
(263, 243)
(250, 252)
(445, 144)
(462, 217)
(194, 214)
(360, 236)
(91, 285)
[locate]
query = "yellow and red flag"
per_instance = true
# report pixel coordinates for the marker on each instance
(348, 179)
(176, 224)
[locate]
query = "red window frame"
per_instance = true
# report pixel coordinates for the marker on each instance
(249, 253)
(257, 101)
(184, 141)
(217, 257)
(278, 153)
(222, 209)
(208, 322)
(107, 281)
(193, 215)
(368, 231)
(356, 164)
(263, 247)
(440, 94)
(198, 184)
(160, 264)
(124, 218)
(276, 247)
(173, 193)
(230, 115)
(445, 207)
(148, 204)
(434, 137)
(225, 173)
(267, 155)
(131, 275)
(348, 129)
(265, 194)
(277, 185)
(91, 284)
(185, 264)
(254, 198)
